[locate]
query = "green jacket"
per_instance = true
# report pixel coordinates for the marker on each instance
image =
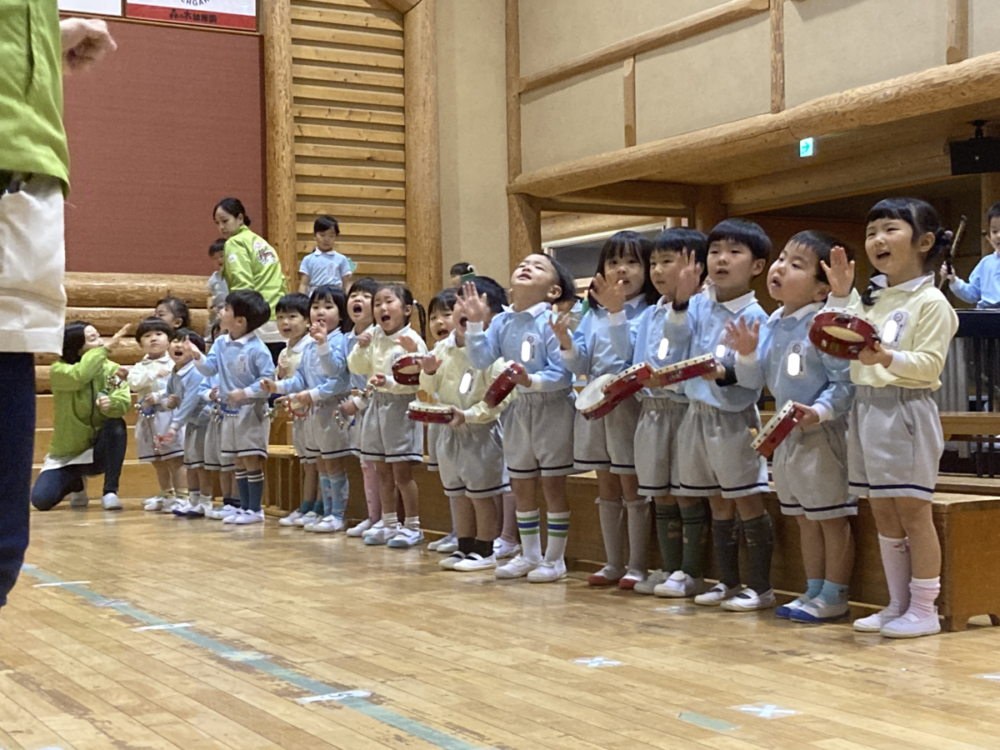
(75, 388)
(251, 263)
(32, 138)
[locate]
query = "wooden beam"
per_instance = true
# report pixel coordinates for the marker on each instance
(777, 56)
(637, 193)
(557, 204)
(403, 6)
(565, 225)
(947, 87)
(699, 23)
(132, 290)
(280, 133)
(512, 30)
(524, 220)
(710, 210)
(423, 161)
(628, 72)
(958, 31)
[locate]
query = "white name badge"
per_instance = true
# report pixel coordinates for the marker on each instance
(895, 326)
(466, 383)
(720, 351)
(528, 349)
(663, 350)
(794, 364)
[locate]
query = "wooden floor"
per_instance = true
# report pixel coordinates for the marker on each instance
(454, 661)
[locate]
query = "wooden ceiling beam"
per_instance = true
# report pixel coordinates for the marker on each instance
(563, 226)
(558, 204)
(637, 193)
(403, 6)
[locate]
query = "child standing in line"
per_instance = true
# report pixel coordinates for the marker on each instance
(218, 290)
(147, 378)
(895, 440)
(174, 312)
(214, 461)
(388, 436)
(983, 286)
(324, 266)
(681, 522)
(538, 428)
(606, 445)
(810, 465)
(241, 360)
(714, 438)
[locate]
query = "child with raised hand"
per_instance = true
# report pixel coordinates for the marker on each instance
(983, 287)
(146, 379)
(810, 465)
(241, 360)
(716, 458)
(621, 291)
(324, 266)
(388, 436)
(174, 312)
(538, 428)
(895, 440)
(681, 522)
(470, 446)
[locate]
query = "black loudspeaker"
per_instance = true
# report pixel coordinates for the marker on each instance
(975, 156)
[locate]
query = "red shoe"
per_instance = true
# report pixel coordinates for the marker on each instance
(630, 579)
(606, 576)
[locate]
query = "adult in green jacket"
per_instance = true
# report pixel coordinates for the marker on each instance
(89, 435)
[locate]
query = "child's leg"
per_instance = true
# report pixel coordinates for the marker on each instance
(915, 516)
(528, 518)
(465, 525)
(507, 517)
(838, 543)
(725, 535)
(557, 519)
(637, 515)
(228, 486)
(896, 556)
(373, 498)
(206, 485)
(814, 556)
(760, 541)
(163, 477)
(387, 492)
(178, 476)
(612, 517)
(242, 485)
(310, 487)
(688, 579)
(402, 473)
(339, 489)
(669, 533)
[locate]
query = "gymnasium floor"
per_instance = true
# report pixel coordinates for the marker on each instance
(179, 634)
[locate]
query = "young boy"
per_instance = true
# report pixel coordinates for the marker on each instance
(538, 428)
(325, 266)
(147, 378)
(242, 360)
(218, 289)
(714, 438)
(810, 465)
(214, 463)
(983, 287)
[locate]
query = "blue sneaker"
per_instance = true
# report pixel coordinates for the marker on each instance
(785, 610)
(817, 611)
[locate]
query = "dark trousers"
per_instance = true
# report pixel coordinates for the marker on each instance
(17, 414)
(109, 454)
(275, 349)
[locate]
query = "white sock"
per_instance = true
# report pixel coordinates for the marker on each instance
(557, 527)
(896, 562)
(611, 514)
(923, 593)
(389, 520)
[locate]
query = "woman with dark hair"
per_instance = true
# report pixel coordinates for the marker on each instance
(90, 400)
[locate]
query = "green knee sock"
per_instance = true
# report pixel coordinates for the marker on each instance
(695, 524)
(669, 533)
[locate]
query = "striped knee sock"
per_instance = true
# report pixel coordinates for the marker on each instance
(338, 495)
(557, 525)
(244, 489)
(531, 542)
(255, 487)
(326, 493)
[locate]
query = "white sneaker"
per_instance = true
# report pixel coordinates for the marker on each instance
(376, 536)
(443, 540)
(213, 513)
(376, 527)
(817, 610)
(199, 510)
(308, 519)
(749, 600)
(231, 517)
(406, 538)
(680, 586)
(153, 504)
(504, 550)
(475, 562)
(225, 512)
(547, 571)
(358, 529)
(328, 525)
(249, 516)
(653, 580)
(785, 610)
(519, 567)
(111, 502)
(912, 625)
(719, 593)
(291, 519)
(169, 504)
(452, 560)
(79, 499)
(181, 508)
(874, 623)
(447, 547)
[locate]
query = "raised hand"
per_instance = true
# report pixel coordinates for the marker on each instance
(192, 349)
(559, 323)
(365, 339)
(689, 278)
(474, 306)
(318, 332)
(611, 294)
(430, 364)
(741, 337)
(84, 42)
(408, 344)
(116, 341)
(840, 272)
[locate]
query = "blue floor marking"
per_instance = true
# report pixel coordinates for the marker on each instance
(379, 713)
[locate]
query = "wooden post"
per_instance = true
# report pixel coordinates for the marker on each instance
(629, 74)
(958, 31)
(525, 221)
(709, 210)
(513, 47)
(777, 56)
(280, 134)
(423, 164)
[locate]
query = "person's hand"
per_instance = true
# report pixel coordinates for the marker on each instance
(168, 436)
(213, 394)
(282, 369)
(301, 400)
(103, 403)
(164, 372)
(522, 378)
(268, 385)
(947, 275)
(741, 337)
(839, 273)
(349, 407)
(236, 396)
(116, 341)
(192, 349)
(84, 42)
(149, 400)
(430, 364)
(173, 401)
(473, 305)
(559, 323)
(377, 380)
(318, 332)
(717, 374)
(610, 294)
(365, 339)
(875, 355)
(809, 418)
(457, 418)
(689, 278)
(408, 345)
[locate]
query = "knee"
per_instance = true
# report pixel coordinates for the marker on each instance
(43, 498)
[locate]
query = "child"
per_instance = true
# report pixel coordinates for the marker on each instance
(538, 428)
(810, 465)
(714, 438)
(388, 436)
(681, 528)
(983, 287)
(241, 360)
(174, 312)
(218, 290)
(606, 445)
(470, 446)
(895, 440)
(459, 270)
(324, 266)
(146, 379)
(214, 462)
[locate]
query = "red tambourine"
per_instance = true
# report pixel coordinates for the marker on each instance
(295, 409)
(406, 370)
(418, 411)
(685, 370)
(777, 429)
(604, 393)
(841, 334)
(501, 387)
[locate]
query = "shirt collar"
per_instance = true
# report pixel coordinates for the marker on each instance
(535, 310)
(317, 251)
(185, 368)
(634, 302)
(404, 331)
(733, 305)
(244, 339)
(798, 314)
(303, 343)
(907, 286)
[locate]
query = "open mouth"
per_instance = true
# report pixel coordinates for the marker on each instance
(524, 276)
(358, 309)
(463, 321)
(882, 255)
(385, 318)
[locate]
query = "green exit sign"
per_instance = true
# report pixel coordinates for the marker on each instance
(807, 147)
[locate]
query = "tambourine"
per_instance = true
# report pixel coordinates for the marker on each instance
(343, 422)
(841, 334)
(418, 411)
(501, 387)
(604, 393)
(777, 429)
(406, 370)
(145, 413)
(289, 406)
(688, 369)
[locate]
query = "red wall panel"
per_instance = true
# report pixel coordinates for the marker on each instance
(158, 133)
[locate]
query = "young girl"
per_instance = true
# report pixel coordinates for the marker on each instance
(895, 440)
(606, 445)
(388, 436)
(174, 312)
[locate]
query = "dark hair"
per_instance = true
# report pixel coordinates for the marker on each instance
(216, 330)
(233, 207)
(186, 334)
(294, 302)
(443, 300)
(679, 239)
(73, 340)
(496, 296)
(821, 244)
(328, 293)
(406, 297)
(324, 223)
(564, 279)
(993, 213)
(179, 309)
(742, 232)
(151, 324)
(461, 268)
(217, 247)
(627, 244)
(362, 285)
(251, 305)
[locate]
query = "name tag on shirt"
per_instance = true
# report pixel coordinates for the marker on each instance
(894, 328)
(529, 345)
(663, 350)
(795, 362)
(465, 384)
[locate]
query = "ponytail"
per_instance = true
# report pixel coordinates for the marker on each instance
(422, 318)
